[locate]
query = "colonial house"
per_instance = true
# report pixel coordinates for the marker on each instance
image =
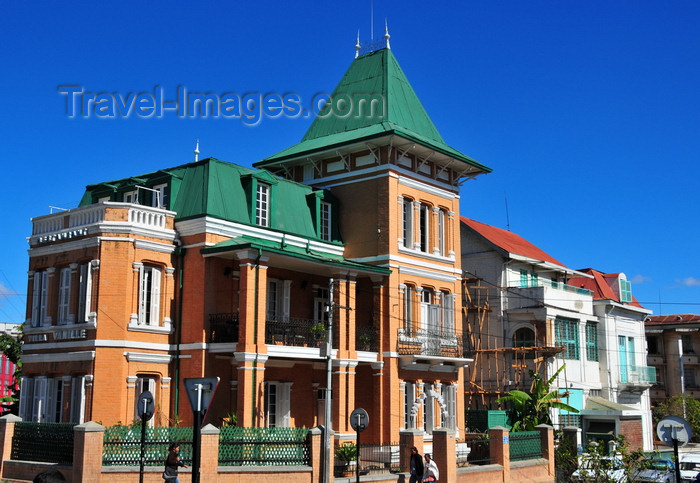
(527, 311)
(673, 343)
(211, 269)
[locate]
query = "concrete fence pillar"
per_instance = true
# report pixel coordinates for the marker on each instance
(7, 431)
(408, 439)
(500, 449)
(88, 444)
(209, 455)
(445, 454)
(572, 434)
(316, 456)
(547, 441)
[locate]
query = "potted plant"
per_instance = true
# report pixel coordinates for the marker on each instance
(318, 332)
(345, 454)
(364, 342)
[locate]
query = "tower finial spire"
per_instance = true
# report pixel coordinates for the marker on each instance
(196, 152)
(357, 45)
(386, 34)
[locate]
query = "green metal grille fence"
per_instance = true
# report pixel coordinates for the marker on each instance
(264, 446)
(525, 445)
(122, 445)
(48, 442)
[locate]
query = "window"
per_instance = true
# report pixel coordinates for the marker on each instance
(592, 341)
(409, 398)
(149, 295)
(687, 343)
(84, 292)
(278, 300)
(625, 291)
(55, 401)
(131, 197)
(262, 205)
(64, 297)
(321, 302)
(160, 196)
(449, 395)
(653, 344)
(408, 310)
(524, 337)
(38, 413)
(407, 223)
(430, 312)
(424, 228)
(567, 336)
(626, 351)
(523, 278)
(325, 221)
(441, 233)
(40, 295)
(277, 404)
(689, 377)
(534, 279)
(448, 312)
(144, 383)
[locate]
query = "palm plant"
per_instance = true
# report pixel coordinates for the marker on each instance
(533, 408)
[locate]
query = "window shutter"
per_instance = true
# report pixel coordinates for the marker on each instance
(77, 400)
(284, 404)
(36, 300)
(155, 297)
(85, 293)
(39, 406)
(449, 309)
(143, 294)
(26, 396)
(287, 284)
(64, 296)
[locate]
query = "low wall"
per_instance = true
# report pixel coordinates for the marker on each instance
(88, 447)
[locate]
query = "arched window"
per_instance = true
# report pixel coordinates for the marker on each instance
(524, 337)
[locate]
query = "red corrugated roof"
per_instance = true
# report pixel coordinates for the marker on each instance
(601, 285)
(674, 319)
(509, 241)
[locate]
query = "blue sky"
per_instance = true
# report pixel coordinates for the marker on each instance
(587, 112)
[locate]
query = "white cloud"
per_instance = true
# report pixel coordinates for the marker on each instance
(637, 279)
(690, 281)
(6, 292)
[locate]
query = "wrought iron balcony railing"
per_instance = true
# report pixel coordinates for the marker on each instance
(436, 343)
(223, 328)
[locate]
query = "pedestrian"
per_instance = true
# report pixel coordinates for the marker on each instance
(173, 463)
(431, 472)
(416, 464)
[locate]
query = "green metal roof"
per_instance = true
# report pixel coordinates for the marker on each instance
(376, 75)
(292, 251)
(216, 188)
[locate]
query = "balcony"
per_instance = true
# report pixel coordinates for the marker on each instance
(637, 378)
(547, 292)
(433, 343)
(223, 328)
(295, 332)
(111, 216)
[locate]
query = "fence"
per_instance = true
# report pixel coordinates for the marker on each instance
(122, 445)
(525, 445)
(49, 442)
(264, 446)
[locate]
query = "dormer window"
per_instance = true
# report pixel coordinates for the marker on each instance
(262, 205)
(160, 196)
(325, 219)
(131, 196)
(625, 291)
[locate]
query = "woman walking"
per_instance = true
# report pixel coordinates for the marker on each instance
(173, 463)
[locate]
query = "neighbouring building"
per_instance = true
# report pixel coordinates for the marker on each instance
(527, 311)
(212, 269)
(673, 344)
(7, 367)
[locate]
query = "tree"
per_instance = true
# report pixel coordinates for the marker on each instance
(533, 408)
(11, 346)
(684, 406)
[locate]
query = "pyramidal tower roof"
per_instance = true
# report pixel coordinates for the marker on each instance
(373, 99)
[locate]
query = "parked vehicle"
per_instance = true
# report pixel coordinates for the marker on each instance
(658, 470)
(612, 467)
(689, 466)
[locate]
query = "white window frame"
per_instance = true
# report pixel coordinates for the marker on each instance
(40, 297)
(149, 295)
(424, 228)
(64, 293)
(84, 292)
(131, 197)
(160, 196)
(278, 299)
(144, 382)
(440, 249)
(77, 400)
(407, 223)
(325, 221)
(277, 404)
(262, 205)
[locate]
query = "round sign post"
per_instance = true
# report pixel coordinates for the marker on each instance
(359, 420)
(145, 409)
(673, 431)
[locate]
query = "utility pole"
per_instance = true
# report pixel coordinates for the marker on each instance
(329, 385)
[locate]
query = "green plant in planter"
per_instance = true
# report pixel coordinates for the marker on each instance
(364, 342)
(346, 452)
(318, 331)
